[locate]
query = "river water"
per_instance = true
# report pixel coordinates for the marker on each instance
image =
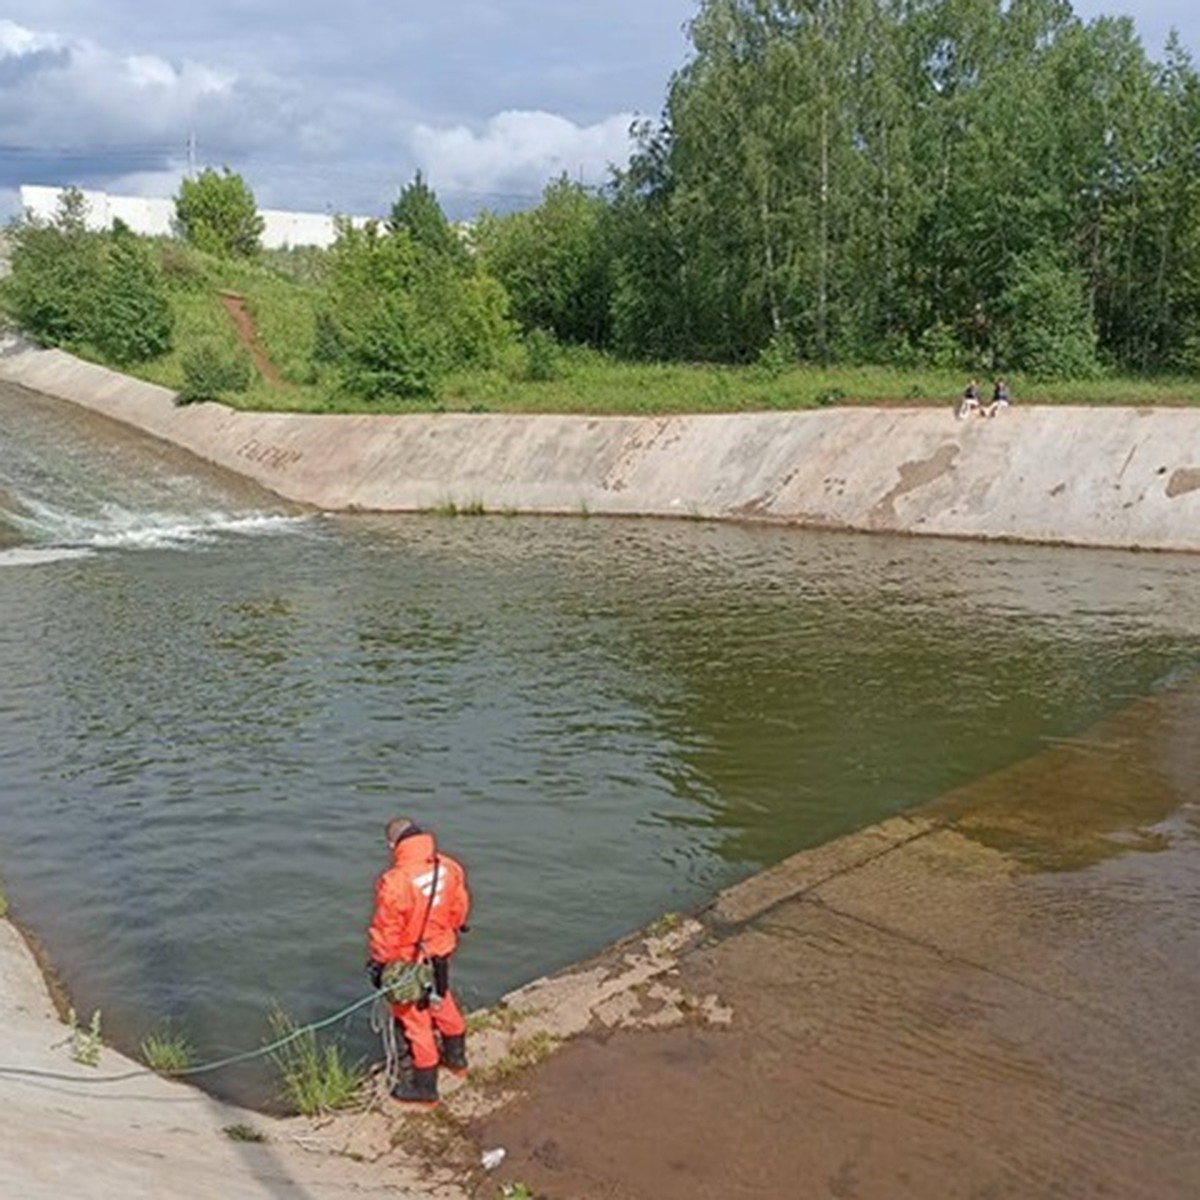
(211, 703)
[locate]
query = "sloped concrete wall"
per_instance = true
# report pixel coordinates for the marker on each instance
(1126, 477)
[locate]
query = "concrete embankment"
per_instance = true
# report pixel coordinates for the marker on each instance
(1120, 477)
(67, 1133)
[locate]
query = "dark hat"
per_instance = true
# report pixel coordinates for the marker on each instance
(399, 828)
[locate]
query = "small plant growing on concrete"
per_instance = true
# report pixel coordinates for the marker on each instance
(168, 1052)
(501, 1017)
(243, 1133)
(86, 1043)
(667, 923)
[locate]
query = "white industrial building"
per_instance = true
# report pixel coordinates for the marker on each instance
(155, 216)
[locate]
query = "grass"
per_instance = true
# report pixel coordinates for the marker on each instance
(167, 1051)
(316, 1078)
(449, 508)
(284, 292)
(283, 311)
(501, 1017)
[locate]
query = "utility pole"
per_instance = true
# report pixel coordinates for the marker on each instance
(191, 153)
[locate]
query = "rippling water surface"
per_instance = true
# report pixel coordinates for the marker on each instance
(211, 704)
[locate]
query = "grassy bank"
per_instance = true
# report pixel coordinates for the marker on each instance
(283, 291)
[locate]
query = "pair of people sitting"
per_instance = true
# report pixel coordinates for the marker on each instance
(971, 400)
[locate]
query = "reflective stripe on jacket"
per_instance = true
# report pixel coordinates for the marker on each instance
(402, 897)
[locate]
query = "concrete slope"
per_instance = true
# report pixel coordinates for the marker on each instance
(148, 1138)
(1119, 477)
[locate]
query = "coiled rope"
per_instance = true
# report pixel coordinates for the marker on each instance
(245, 1056)
(383, 1024)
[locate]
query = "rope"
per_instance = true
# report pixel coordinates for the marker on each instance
(245, 1056)
(383, 1024)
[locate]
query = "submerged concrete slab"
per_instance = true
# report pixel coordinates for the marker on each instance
(995, 999)
(1121, 477)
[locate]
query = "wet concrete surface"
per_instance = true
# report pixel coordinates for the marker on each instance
(997, 997)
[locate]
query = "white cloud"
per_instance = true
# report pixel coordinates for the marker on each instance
(520, 152)
(17, 42)
(71, 104)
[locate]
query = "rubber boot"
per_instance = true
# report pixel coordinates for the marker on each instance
(404, 1058)
(454, 1053)
(419, 1087)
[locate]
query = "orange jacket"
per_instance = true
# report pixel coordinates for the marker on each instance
(402, 899)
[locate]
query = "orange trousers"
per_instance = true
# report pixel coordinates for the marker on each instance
(418, 1022)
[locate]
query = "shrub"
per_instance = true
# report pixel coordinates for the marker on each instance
(315, 1077)
(327, 340)
(554, 263)
(210, 372)
(777, 356)
(401, 317)
(217, 212)
(938, 347)
(543, 357)
(132, 321)
(182, 266)
(1046, 328)
(73, 287)
(56, 274)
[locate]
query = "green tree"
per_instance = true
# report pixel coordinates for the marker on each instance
(133, 320)
(56, 272)
(1044, 324)
(418, 213)
(216, 212)
(777, 183)
(401, 318)
(554, 264)
(76, 288)
(867, 177)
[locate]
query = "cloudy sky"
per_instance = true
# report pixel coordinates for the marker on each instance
(332, 105)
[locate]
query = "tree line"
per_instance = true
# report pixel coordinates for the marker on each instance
(948, 179)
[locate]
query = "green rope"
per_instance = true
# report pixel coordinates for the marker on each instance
(245, 1056)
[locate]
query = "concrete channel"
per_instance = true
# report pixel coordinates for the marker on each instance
(991, 997)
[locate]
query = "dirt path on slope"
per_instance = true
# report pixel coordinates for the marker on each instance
(247, 331)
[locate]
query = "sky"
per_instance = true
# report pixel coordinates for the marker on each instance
(331, 106)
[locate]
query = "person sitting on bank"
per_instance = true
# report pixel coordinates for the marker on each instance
(1000, 399)
(970, 399)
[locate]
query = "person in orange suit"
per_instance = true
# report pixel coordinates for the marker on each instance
(421, 905)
